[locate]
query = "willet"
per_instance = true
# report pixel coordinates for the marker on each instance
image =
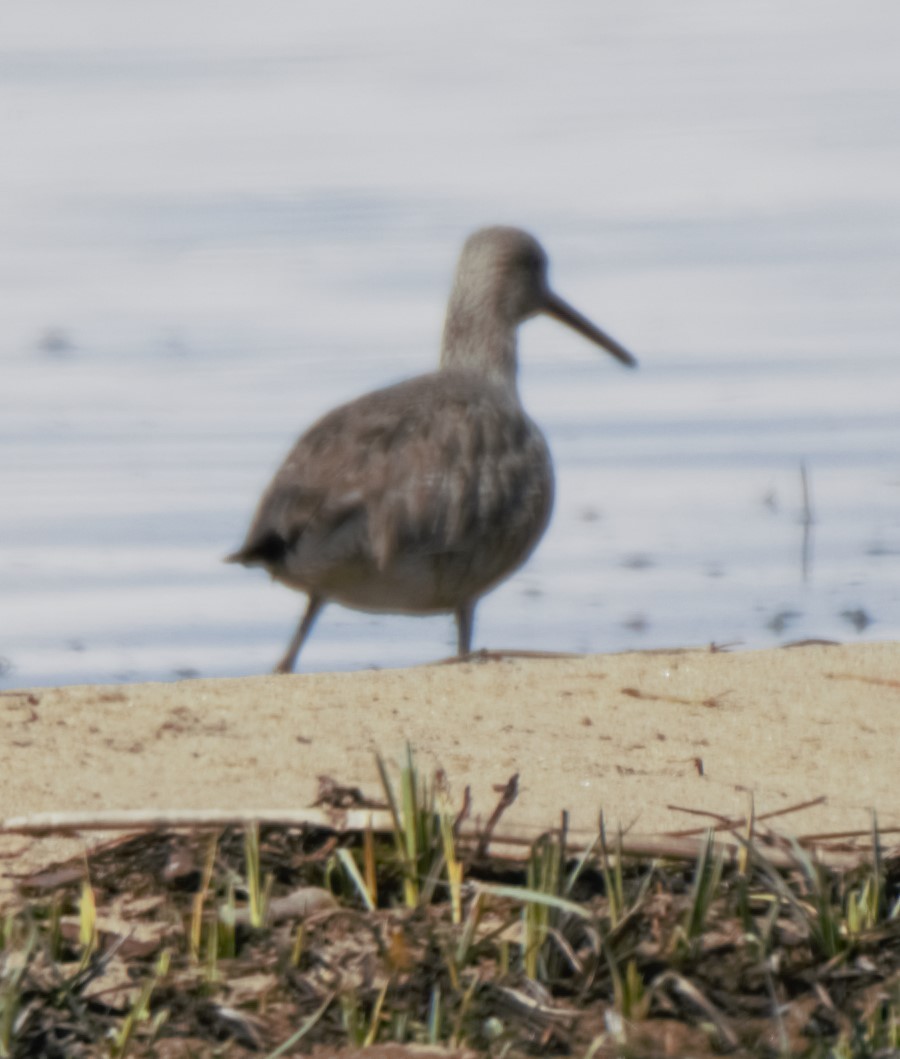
(422, 497)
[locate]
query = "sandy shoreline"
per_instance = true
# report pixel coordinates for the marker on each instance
(643, 736)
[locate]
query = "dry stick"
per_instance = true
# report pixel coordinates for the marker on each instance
(502, 846)
(730, 823)
(151, 819)
(726, 823)
(484, 655)
(507, 796)
(796, 808)
(882, 682)
(833, 836)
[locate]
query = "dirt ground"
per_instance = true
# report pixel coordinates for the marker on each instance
(650, 738)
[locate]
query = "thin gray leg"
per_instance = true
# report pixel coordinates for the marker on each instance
(464, 617)
(286, 665)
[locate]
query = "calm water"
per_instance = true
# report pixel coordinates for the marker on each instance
(209, 237)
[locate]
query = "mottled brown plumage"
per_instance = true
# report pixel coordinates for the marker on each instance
(421, 497)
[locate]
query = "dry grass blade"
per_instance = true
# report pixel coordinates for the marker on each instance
(307, 1026)
(523, 895)
(686, 989)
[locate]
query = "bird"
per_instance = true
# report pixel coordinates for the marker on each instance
(422, 497)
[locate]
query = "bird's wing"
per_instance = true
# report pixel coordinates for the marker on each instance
(420, 466)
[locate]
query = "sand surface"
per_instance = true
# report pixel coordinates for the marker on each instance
(643, 736)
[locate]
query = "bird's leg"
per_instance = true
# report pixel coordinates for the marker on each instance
(464, 616)
(286, 665)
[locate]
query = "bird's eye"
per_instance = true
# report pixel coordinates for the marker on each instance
(524, 263)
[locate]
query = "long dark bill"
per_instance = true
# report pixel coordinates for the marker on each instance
(561, 310)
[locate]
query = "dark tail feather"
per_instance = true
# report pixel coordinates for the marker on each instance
(268, 550)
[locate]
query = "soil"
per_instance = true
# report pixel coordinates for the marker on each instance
(652, 739)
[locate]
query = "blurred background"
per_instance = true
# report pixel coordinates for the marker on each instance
(217, 221)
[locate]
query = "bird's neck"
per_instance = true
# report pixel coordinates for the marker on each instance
(480, 340)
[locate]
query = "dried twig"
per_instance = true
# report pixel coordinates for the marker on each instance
(505, 845)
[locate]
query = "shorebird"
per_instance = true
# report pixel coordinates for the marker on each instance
(422, 497)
